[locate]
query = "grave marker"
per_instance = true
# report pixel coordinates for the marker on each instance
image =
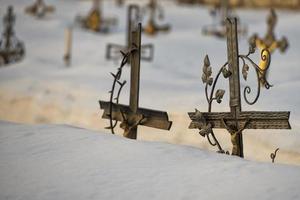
(221, 13)
(11, 49)
(132, 116)
(152, 27)
(95, 21)
(269, 42)
(39, 9)
(113, 50)
(236, 120)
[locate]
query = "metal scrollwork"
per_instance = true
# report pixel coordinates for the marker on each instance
(273, 155)
(260, 73)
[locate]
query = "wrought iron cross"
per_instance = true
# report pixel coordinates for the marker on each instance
(11, 49)
(132, 116)
(152, 27)
(269, 41)
(39, 9)
(236, 120)
(113, 50)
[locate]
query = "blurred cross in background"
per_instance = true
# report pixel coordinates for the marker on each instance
(95, 21)
(152, 27)
(39, 9)
(269, 42)
(11, 49)
(113, 50)
(220, 14)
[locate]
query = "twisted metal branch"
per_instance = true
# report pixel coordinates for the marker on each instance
(273, 155)
(210, 99)
(117, 77)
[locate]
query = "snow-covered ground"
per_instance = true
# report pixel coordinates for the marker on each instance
(63, 162)
(42, 90)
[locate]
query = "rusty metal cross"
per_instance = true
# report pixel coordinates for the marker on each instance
(236, 120)
(132, 116)
(113, 50)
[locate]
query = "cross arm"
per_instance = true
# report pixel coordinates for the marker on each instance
(257, 119)
(154, 118)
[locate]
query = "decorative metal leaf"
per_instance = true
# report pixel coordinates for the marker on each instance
(207, 72)
(226, 73)
(206, 61)
(219, 95)
(245, 71)
(210, 81)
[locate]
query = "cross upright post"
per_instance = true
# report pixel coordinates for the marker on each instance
(132, 116)
(234, 79)
(39, 9)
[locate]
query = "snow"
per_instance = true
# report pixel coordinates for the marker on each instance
(40, 89)
(66, 162)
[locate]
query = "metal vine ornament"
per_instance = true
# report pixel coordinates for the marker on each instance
(236, 120)
(11, 49)
(131, 116)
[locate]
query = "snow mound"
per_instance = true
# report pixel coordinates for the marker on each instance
(64, 162)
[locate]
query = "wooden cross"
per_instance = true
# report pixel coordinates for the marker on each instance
(269, 42)
(39, 9)
(152, 27)
(131, 116)
(113, 50)
(11, 49)
(95, 20)
(236, 120)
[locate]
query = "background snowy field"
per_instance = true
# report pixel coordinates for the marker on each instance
(40, 89)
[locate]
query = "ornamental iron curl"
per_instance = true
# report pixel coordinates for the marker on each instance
(273, 155)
